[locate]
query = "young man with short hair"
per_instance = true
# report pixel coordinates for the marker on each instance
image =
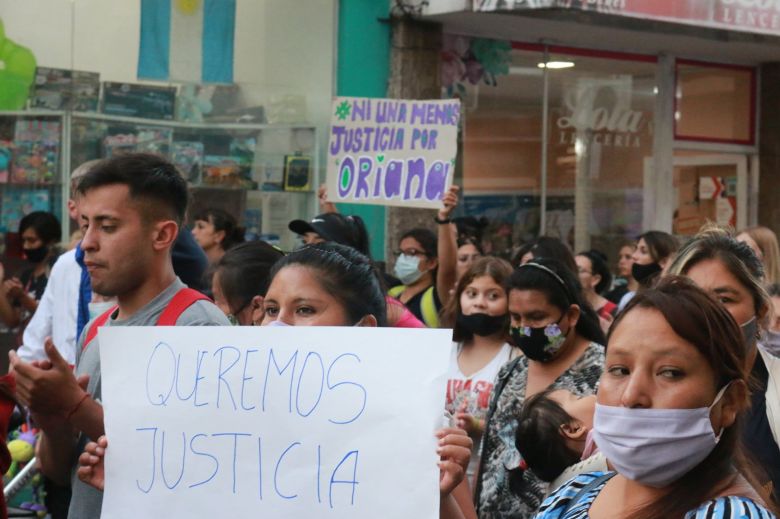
(132, 207)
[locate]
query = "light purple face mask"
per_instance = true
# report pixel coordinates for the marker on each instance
(655, 447)
(277, 323)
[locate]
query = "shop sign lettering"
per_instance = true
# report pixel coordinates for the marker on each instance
(392, 152)
(615, 125)
(757, 14)
(746, 15)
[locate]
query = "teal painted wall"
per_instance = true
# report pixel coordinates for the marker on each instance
(363, 69)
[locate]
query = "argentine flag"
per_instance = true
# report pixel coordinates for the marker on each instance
(187, 40)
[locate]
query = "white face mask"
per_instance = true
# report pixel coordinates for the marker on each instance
(770, 341)
(407, 269)
(277, 323)
(655, 447)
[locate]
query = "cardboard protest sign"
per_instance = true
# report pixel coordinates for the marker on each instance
(294, 422)
(391, 151)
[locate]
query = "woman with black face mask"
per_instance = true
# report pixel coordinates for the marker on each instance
(40, 232)
(479, 319)
(561, 340)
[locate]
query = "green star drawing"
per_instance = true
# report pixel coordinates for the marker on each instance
(342, 110)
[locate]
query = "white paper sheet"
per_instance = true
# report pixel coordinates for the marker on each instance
(272, 422)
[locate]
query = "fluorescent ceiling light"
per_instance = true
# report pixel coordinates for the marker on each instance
(525, 71)
(556, 65)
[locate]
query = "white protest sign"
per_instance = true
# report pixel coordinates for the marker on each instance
(391, 151)
(207, 422)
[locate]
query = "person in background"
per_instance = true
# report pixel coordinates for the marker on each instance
(479, 317)
(40, 232)
(624, 282)
(774, 294)
(733, 274)
(351, 231)
(669, 405)
(548, 247)
(763, 241)
(333, 227)
(56, 315)
(216, 231)
(241, 279)
(654, 252)
(555, 433)
(426, 265)
(595, 279)
(469, 251)
(561, 340)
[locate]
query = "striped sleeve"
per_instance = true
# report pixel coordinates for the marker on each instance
(554, 506)
(730, 507)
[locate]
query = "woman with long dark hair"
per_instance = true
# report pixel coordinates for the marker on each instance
(668, 413)
(561, 340)
(733, 274)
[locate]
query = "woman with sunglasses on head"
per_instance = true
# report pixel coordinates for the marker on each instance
(426, 265)
(668, 410)
(561, 340)
(731, 272)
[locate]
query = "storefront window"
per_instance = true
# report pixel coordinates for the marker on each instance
(502, 149)
(600, 133)
(709, 187)
(240, 122)
(715, 103)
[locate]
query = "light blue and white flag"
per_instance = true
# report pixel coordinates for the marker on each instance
(187, 40)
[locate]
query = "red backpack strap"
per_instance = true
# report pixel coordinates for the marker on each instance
(97, 323)
(183, 299)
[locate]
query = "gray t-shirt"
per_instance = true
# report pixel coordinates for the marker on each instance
(86, 502)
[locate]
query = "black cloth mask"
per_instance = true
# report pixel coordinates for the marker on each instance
(644, 272)
(483, 325)
(36, 255)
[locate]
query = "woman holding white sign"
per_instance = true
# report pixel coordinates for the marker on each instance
(327, 285)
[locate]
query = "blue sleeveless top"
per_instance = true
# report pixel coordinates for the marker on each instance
(725, 507)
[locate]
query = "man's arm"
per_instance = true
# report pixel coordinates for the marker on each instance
(60, 406)
(55, 450)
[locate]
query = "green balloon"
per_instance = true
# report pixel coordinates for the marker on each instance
(17, 73)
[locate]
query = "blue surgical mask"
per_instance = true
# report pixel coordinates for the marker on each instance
(407, 269)
(655, 447)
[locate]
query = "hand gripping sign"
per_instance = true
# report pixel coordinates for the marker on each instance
(272, 422)
(392, 152)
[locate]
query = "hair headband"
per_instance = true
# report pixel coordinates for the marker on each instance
(552, 273)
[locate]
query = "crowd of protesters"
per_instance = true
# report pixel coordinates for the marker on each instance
(575, 391)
